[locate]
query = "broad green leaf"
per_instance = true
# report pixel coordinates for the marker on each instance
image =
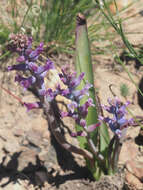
(100, 136)
(84, 64)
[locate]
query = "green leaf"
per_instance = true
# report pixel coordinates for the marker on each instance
(104, 139)
(104, 142)
(84, 64)
(100, 136)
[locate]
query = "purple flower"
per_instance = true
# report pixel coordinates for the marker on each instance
(81, 93)
(76, 81)
(32, 66)
(70, 79)
(79, 133)
(118, 110)
(42, 69)
(74, 115)
(64, 114)
(89, 129)
(72, 106)
(18, 42)
(31, 106)
(27, 62)
(35, 54)
(77, 112)
(19, 67)
(92, 127)
(20, 59)
(25, 82)
(83, 110)
(83, 123)
(67, 77)
(50, 95)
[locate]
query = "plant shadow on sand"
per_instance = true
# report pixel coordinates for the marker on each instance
(72, 171)
(67, 163)
(11, 172)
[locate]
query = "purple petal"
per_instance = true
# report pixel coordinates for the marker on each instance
(25, 82)
(72, 106)
(40, 47)
(88, 86)
(75, 116)
(89, 103)
(20, 59)
(29, 42)
(32, 66)
(83, 112)
(42, 92)
(131, 121)
(19, 67)
(83, 122)
(65, 69)
(110, 101)
(50, 95)
(118, 132)
(84, 108)
(64, 114)
(73, 75)
(110, 109)
(122, 109)
(64, 80)
(118, 123)
(28, 52)
(49, 65)
(112, 124)
(75, 82)
(80, 93)
(107, 119)
(91, 128)
(65, 92)
(35, 105)
(79, 133)
(100, 118)
(35, 54)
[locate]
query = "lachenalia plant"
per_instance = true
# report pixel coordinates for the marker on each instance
(101, 153)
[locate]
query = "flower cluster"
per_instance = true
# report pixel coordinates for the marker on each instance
(27, 62)
(18, 42)
(118, 123)
(75, 110)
